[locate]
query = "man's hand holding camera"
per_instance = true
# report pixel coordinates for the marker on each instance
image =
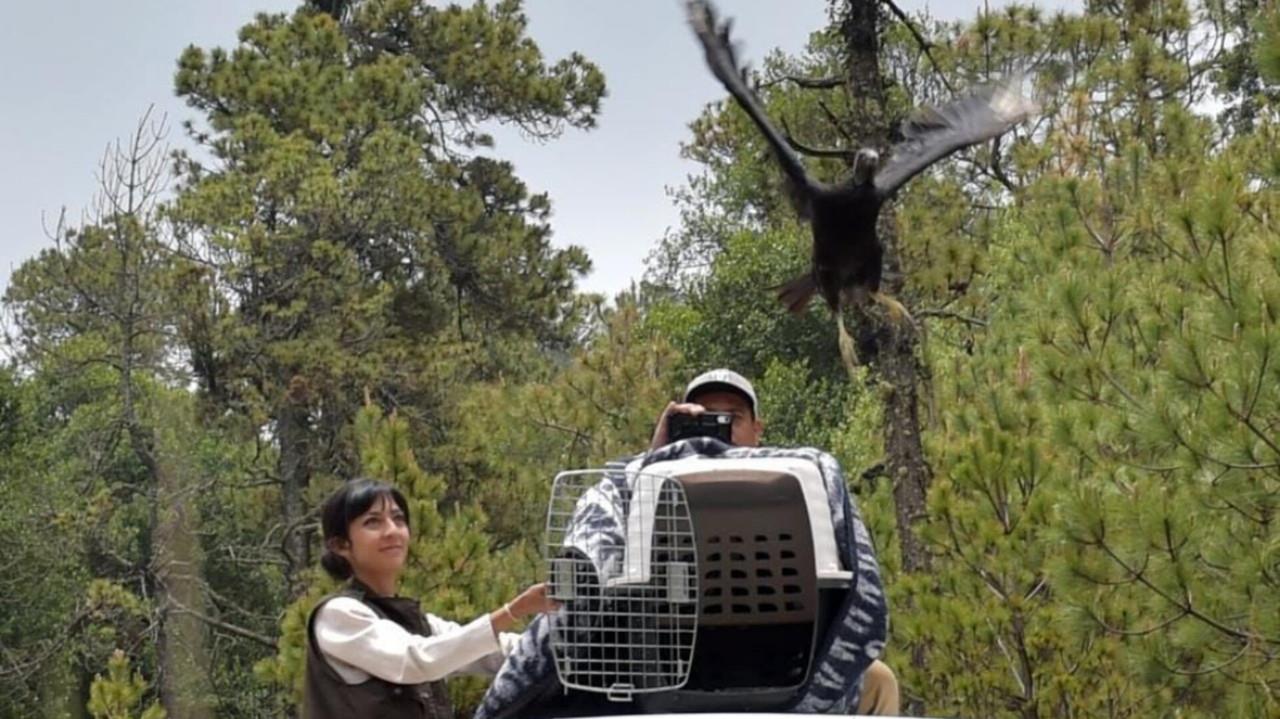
(662, 432)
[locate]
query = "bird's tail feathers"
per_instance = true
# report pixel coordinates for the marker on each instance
(796, 293)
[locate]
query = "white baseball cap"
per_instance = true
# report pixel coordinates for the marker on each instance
(725, 379)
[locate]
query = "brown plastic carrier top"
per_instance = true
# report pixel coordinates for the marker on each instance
(755, 548)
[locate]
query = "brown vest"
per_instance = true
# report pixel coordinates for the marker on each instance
(328, 696)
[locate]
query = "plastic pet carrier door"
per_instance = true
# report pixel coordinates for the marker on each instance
(623, 559)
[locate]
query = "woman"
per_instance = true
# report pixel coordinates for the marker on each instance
(371, 653)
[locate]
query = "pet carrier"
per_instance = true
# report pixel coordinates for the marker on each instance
(698, 584)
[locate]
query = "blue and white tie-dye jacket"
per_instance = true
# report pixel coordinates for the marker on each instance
(853, 641)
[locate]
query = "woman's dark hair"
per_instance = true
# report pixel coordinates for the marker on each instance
(351, 500)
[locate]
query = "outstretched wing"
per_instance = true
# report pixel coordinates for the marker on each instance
(714, 37)
(938, 132)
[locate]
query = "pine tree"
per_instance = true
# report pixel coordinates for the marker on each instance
(96, 301)
(348, 237)
(1064, 518)
(117, 695)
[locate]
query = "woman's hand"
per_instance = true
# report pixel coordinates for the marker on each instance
(533, 600)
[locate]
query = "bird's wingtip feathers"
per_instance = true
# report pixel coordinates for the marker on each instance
(699, 14)
(1010, 104)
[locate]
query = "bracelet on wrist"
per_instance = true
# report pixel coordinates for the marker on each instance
(507, 608)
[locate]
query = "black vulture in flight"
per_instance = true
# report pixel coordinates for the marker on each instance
(847, 254)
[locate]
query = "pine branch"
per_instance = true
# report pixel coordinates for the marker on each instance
(226, 626)
(835, 122)
(809, 83)
(1211, 669)
(811, 151)
(924, 44)
(974, 321)
(1185, 604)
(1133, 632)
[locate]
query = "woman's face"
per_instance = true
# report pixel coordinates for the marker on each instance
(378, 540)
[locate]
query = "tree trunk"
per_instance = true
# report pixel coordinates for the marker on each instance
(905, 462)
(893, 360)
(295, 474)
(176, 564)
(185, 688)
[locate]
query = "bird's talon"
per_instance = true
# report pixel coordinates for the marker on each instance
(897, 312)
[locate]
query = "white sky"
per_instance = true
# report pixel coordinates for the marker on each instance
(75, 75)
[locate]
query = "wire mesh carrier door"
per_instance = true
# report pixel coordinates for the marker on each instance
(622, 558)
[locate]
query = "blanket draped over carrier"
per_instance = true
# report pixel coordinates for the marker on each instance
(528, 684)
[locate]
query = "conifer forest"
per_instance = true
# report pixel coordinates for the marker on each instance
(1067, 454)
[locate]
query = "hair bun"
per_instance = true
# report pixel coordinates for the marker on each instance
(336, 565)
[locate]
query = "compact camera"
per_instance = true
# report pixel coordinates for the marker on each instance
(708, 424)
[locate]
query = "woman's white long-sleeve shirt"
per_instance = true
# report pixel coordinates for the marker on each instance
(358, 644)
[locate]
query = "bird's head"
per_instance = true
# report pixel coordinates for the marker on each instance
(865, 164)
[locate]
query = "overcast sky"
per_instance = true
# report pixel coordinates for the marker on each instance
(75, 75)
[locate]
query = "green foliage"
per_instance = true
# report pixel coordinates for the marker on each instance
(119, 694)
(356, 245)
(360, 249)
(345, 235)
(600, 406)
(1268, 49)
(353, 285)
(38, 592)
(89, 317)
(1095, 344)
(1082, 553)
(1162, 370)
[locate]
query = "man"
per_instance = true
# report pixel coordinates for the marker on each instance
(719, 390)
(723, 390)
